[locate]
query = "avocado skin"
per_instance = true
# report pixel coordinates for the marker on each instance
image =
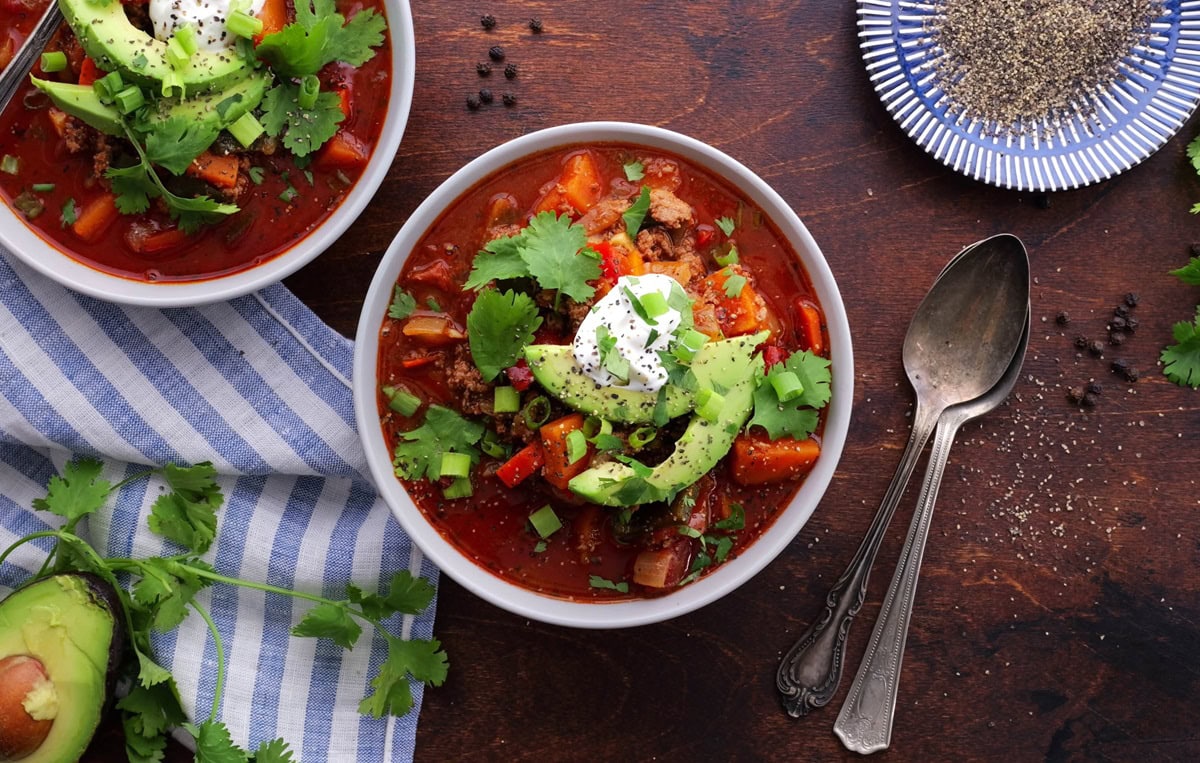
(114, 43)
(73, 623)
(81, 101)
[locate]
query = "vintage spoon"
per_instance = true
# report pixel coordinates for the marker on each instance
(22, 63)
(960, 342)
(865, 722)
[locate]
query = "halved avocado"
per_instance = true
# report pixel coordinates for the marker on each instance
(60, 645)
(114, 43)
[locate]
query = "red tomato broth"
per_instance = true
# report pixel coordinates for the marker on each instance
(491, 527)
(265, 227)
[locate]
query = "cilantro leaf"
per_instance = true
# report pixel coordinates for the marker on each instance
(77, 493)
(726, 224)
(193, 213)
(1189, 273)
(147, 714)
(133, 187)
(420, 454)
(353, 42)
(499, 327)
(500, 260)
(555, 251)
(422, 660)
(319, 36)
(1181, 361)
(595, 581)
(303, 130)
(636, 213)
(150, 673)
(331, 621)
(166, 588)
(191, 524)
(175, 142)
(274, 751)
(214, 745)
(402, 304)
(797, 417)
(634, 171)
(408, 594)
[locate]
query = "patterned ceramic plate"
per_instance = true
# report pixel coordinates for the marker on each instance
(1156, 91)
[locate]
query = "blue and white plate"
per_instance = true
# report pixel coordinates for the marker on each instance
(1156, 92)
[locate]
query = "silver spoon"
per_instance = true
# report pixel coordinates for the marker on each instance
(22, 63)
(958, 345)
(865, 722)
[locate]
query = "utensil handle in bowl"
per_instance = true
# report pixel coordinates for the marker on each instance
(22, 63)
(809, 673)
(865, 722)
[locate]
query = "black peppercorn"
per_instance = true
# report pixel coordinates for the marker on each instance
(1081, 342)
(1075, 395)
(535, 26)
(485, 95)
(510, 71)
(1117, 323)
(484, 68)
(473, 102)
(1116, 339)
(496, 53)
(1132, 299)
(1095, 347)
(509, 99)
(1094, 388)
(488, 21)
(1119, 366)
(1131, 324)
(1062, 318)
(1121, 311)
(1089, 400)
(1132, 374)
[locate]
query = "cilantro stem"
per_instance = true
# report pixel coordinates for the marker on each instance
(220, 647)
(26, 539)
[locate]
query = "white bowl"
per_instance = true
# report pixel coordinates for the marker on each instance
(19, 239)
(729, 575)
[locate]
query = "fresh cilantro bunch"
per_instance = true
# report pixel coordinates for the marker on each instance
(164, 591)
(1181, 361)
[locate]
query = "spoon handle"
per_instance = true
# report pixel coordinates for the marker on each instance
(21, 64)
(809, 674)
(865, 722)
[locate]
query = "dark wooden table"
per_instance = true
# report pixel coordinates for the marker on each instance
(1058, 614)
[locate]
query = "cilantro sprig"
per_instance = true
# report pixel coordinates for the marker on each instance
(1181, 360)
(498, 327)
(797, 417)
(164, 590)
(552, 250)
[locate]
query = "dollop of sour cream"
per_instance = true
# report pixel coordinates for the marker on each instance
(637, 341)
(207, 16)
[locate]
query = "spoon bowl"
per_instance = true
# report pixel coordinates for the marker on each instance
(959, 344)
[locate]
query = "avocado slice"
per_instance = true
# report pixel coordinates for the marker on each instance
(719, 363)
(697, 451)
(107, 35)
(221, 107)
(70, 626)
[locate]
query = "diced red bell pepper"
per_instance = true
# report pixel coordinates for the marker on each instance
(527, 461)
(519, 375)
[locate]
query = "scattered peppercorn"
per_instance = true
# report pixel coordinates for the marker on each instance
(1121, 311)
(483, 68)
(1131, 324)
(509, 99)
(510, 71)
(1075, 395)
(1116, 339)
(1117, 323)
(1089, 400)
(488, 21)
(1132, 299)
(1121, 367)
(535, 26)
(1094, 387)
(496, 53)
(485, 95)
(473, 102)
(1062, 318)
(1081, 342)
(1095, 347)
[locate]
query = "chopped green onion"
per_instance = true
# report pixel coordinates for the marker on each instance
(506, 400)
(129, 99)
(709, 403)
(654, 303)
(246, 129)
(690, 344)
(576, 446)
(402, 401)
(42, 187)
(10, 164)
(108, 86)
(177, 55)
(787, 385)
(459, 488)
(536, 412)
(310, 88)
(492, 446)
(544, 521)
(187, 39)
(54, 61)
(288, 195)
(730, 257)
(455, 464)
(243, 24)
(594, 425)
(734, 285)
(642, 437)
(69, 213)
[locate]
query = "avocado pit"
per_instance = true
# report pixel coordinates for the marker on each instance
(28, 706)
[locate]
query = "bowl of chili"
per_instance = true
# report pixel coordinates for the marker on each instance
(543, 467)
(101, 215)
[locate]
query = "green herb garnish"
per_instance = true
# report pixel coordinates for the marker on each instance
(499, 327)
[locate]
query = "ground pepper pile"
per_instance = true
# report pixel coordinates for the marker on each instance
(1018, 62)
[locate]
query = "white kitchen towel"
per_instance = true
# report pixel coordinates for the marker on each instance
(260, 387)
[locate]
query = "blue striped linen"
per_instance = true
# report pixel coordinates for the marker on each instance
(260, 387)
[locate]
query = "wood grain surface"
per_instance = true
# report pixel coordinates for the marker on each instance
(1058, 612)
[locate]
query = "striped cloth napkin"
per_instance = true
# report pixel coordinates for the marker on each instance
(260, 387)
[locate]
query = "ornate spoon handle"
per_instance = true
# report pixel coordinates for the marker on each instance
(810, 671)
(14, 74)
(865, 722)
